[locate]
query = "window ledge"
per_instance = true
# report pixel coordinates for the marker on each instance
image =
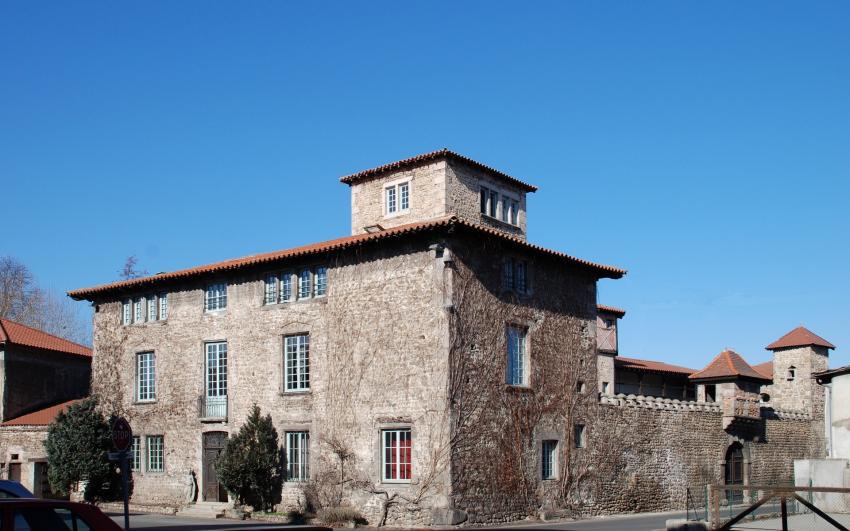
(158, 322)
(519, 388)
(278, 305)
(488, 217)
(521, 295)
(397, 214)
(144, 402)
(300, 392)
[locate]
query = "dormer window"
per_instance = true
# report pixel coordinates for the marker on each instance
(792, 373)
(397, 198)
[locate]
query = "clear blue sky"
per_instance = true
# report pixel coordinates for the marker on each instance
(704, 146)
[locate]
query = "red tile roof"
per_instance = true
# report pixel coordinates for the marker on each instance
(611, 309)
(765, 368)
(728, 364)
(18, 334)
(800, 337)
(827, 376)
(428, 157)
(651, 366)
(451, 221)
(42, 417)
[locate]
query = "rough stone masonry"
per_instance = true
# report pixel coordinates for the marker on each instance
(451, 362)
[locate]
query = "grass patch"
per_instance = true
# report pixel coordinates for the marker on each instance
(339, 516)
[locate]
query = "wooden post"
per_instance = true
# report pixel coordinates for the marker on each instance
(784, 504)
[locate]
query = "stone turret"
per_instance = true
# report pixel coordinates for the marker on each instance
(435, 185)
(607, 318)
(796, 357)
(729, 380)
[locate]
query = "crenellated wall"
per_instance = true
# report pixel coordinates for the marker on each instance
(683, 444)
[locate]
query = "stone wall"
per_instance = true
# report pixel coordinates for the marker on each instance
(27, 444)
(436, 189)
(463, 197)
(35, 378)
(496, 471)
(376, 360)
(605, 371)
(682, 444)
(427, 197)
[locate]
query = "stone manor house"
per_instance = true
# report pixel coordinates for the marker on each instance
(470, 374)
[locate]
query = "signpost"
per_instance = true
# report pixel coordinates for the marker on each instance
(122, 438)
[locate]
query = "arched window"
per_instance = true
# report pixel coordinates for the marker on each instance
(792, 373)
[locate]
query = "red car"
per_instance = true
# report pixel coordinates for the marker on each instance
(52, 515)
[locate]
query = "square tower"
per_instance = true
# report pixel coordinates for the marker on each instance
(796, 357)
(434, 185)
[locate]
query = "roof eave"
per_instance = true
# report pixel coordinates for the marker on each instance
(772, 346)
(448, 223)
(442, 154)
(700, 379)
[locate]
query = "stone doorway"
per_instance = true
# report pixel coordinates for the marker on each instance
(213, 491)
(15, 472)
(41, 483)
(734, 474)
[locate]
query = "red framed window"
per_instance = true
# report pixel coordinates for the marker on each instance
(397, 455)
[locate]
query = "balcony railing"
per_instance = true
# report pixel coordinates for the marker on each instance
(212, 408)
(742, 407)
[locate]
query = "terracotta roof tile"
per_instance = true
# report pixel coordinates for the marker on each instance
(603, 271)
(611, 309)
(652, 366)
(23, 335)
(765, 368)
(827, 376)
(800, 337)
(427, 157)
(42, 417)
(728, 364)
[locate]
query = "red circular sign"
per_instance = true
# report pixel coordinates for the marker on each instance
(122, 434)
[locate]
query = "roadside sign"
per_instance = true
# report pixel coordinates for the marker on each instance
(122, 434)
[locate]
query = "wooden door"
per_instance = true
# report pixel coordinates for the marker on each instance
(213, 445)
(15, 472)
(735, 472)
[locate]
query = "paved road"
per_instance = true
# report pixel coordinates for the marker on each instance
(154, 522)
(157, 522)
(631, 522)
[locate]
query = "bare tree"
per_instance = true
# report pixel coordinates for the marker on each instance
(21, 300)
(130, 271)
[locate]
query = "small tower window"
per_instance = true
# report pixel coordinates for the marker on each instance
(792, 373)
